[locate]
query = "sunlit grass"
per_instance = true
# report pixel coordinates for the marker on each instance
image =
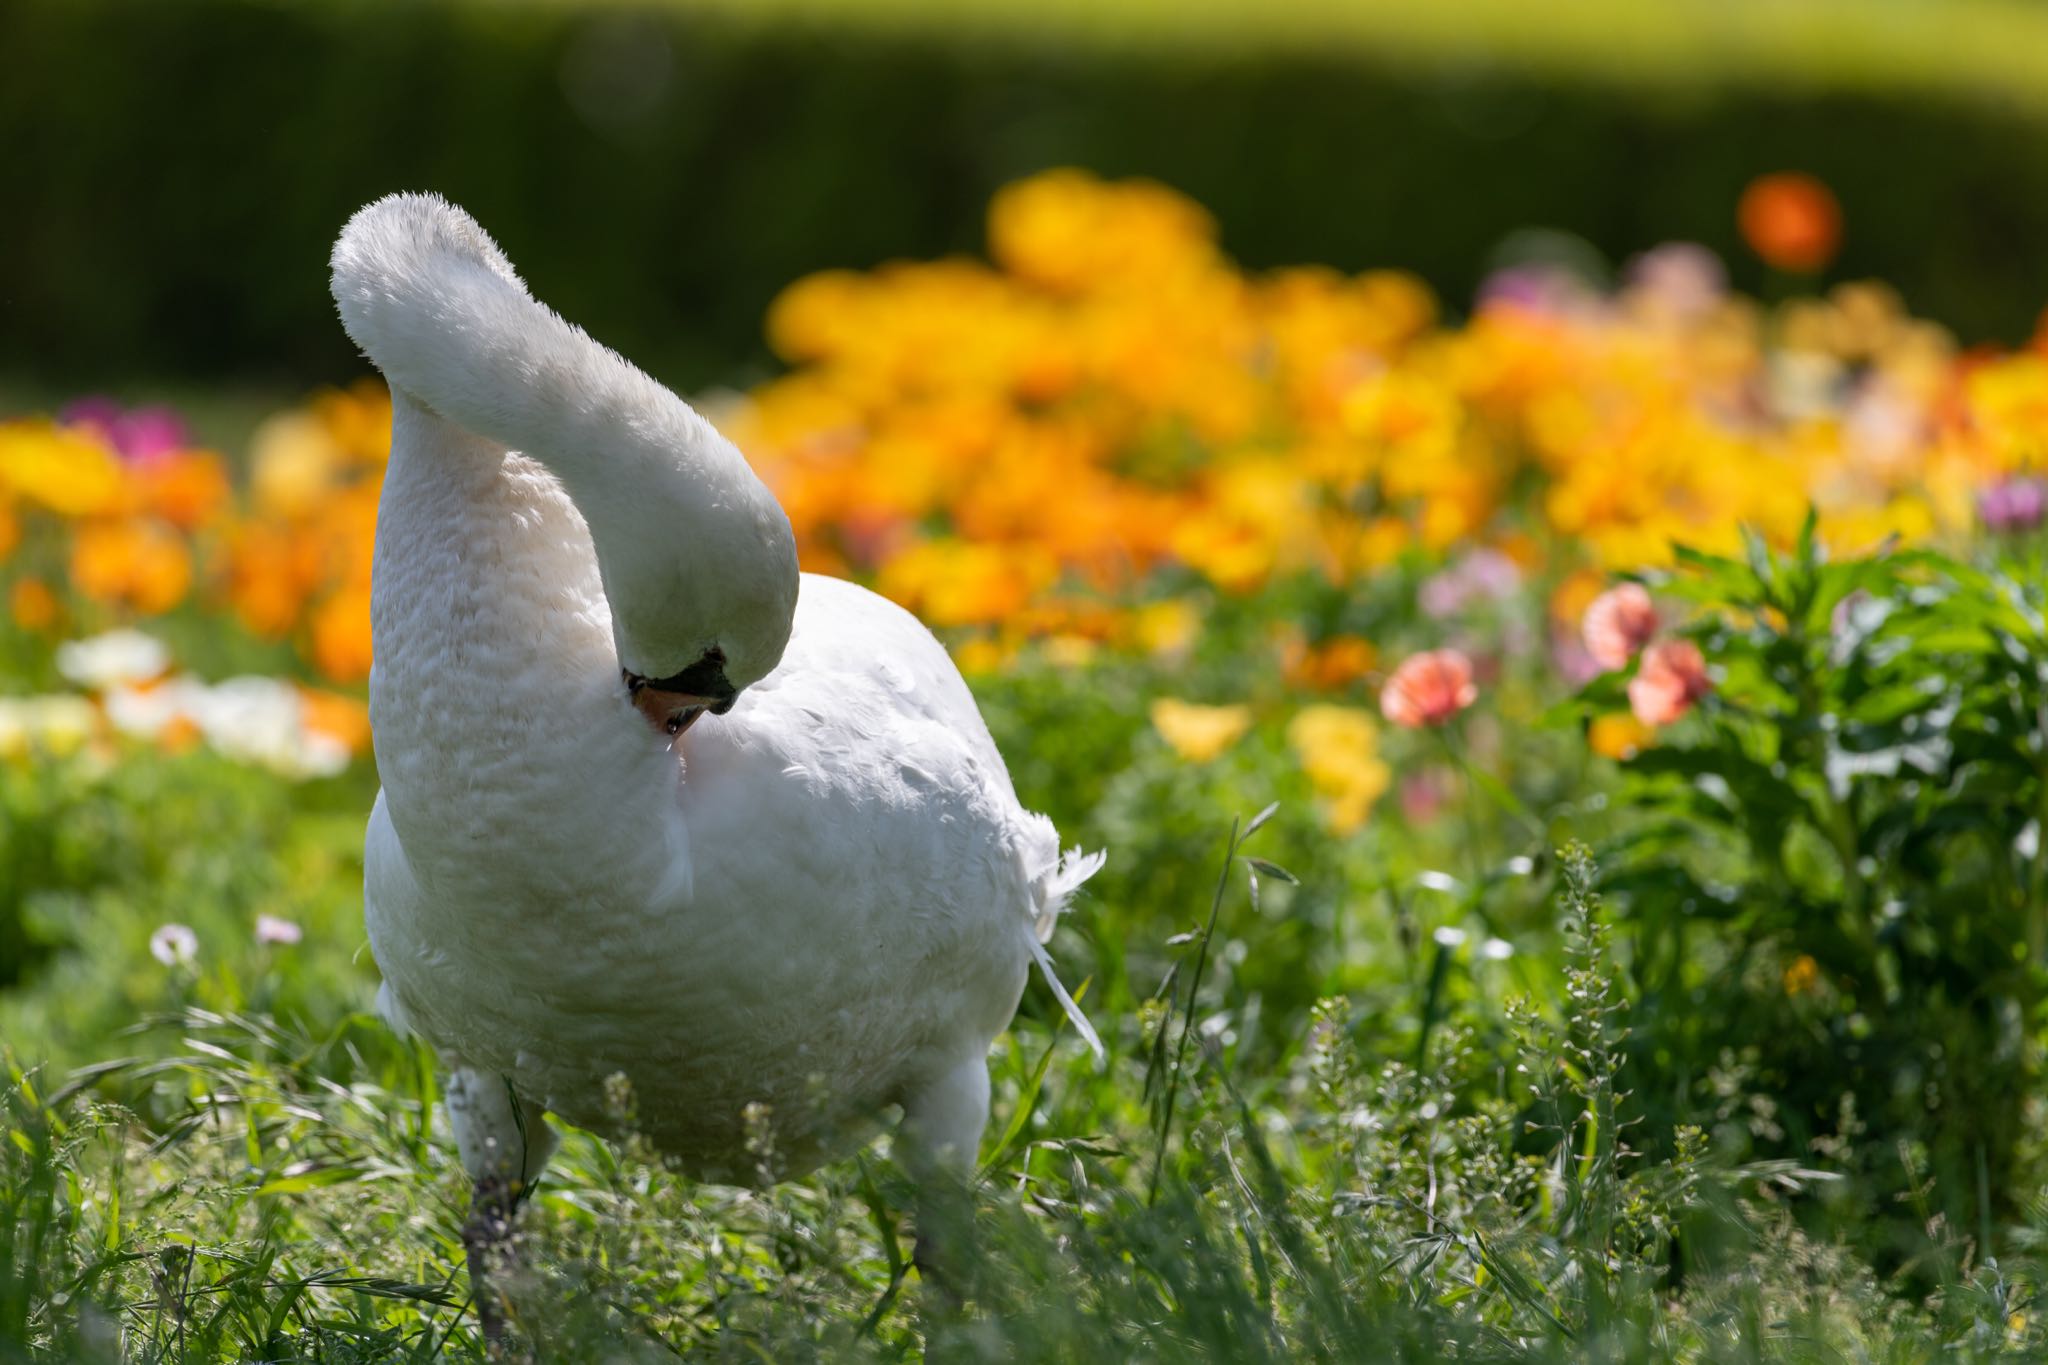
(1977, 51)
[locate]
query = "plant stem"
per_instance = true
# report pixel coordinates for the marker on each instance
(1180, 1055)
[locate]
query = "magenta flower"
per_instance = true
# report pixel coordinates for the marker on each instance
(2013, 505)
(138, 435)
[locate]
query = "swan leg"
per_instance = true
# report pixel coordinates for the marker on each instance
(941, 1138)
(504, 1141)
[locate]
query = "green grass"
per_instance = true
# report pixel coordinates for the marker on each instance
(1992, 52)
(1338, 1122)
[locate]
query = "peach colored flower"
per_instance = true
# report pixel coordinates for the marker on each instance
(1428, 689)
(1619, 622)
(1670, 679)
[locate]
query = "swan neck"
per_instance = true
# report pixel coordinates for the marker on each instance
(501, 725)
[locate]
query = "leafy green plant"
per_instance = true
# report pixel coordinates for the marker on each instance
(1833, 875)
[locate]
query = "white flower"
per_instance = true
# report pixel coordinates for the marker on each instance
(119, 656)
(174, 945)
(274, 929)
(57, 724)
(252, 719)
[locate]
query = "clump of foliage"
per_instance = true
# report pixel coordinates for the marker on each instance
(1834, 880)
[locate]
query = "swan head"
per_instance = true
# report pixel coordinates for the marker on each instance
(709, 613)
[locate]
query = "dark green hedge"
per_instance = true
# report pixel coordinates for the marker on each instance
(172, 171)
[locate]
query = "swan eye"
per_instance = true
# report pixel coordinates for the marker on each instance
(675, 724)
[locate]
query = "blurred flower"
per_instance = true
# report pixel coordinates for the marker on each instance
(131, 563)
(1167, 628)
(58, 725)
(1619, 736)
(256, 720)
(273, 929)
(2013, 505)
(139, 435)
(1619, 622)
(1481, 576)
(1199, 733)
(1536, 288)
(113, 659)
(34, 607)
(341, 635)
(70, 474)
(339, 717)
(1425, 793)
(1328, 666)
(174, 945)
(1338, 748)
(1683, 281)
(1802, 977)
(1790, 219)
(1671, 677)
(1428, 689)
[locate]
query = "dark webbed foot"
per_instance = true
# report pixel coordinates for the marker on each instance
(487, 1237)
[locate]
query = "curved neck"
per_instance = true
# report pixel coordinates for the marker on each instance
(507, 748)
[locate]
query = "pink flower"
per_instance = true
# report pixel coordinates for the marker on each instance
(174, 945)
(1618, 623)
(1425, 794)
(1671, 678)
(138, 435)
(1428, 689)
(273, 929)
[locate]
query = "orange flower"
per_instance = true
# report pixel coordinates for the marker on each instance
(33, 605)
(336, 715)
(141, 564)
(1618, 624)
(341, 635)
(187, 488)
(1428, 689)
(1670, 679)
(1802, 977)
(1327, 667)
(1791, 220)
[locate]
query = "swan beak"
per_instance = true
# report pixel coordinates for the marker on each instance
(671, 713)
(672, 705)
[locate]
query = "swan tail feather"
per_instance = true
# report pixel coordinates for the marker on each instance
(1055, 888)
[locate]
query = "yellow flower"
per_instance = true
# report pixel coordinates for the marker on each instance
(294, 459)
(1067, 231)
(1339, 750)
(1803, 976)
(1199, 733)
(1167, 628)
(69, 473)
(1618, 736)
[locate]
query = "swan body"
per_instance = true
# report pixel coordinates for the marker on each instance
(818, 904)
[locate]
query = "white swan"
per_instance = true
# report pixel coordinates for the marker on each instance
(823, 901)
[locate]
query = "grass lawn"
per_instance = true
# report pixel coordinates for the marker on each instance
(1988, 51)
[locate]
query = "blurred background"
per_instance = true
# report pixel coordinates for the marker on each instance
(176, 169)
